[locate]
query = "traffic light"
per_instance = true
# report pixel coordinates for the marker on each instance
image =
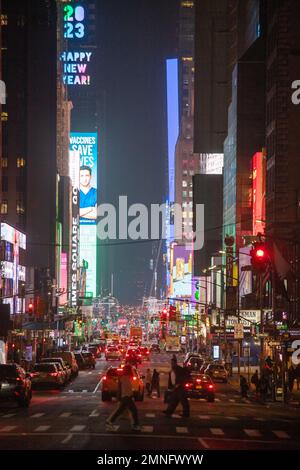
(259, 257)
(30, 308)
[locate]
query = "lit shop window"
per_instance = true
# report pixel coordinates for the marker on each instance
(20, 208)
(4, 116)
(184, 215)
(184, 184)
(4, 207)
(3, 20)
(190, 215)
(20, 162)
(4, 162)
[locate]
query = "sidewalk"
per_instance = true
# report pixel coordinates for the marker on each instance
(234, 381)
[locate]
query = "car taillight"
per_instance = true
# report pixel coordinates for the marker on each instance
(127, 355)
(198, 381)
(139, 355)
(134, 378)
(18, 380)
(104, 377)
(189, 363)
(188, 385)
(147, 352)
(53, 374)
(210, 386)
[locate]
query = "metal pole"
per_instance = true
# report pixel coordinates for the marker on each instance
(262, 345)
(238, 309)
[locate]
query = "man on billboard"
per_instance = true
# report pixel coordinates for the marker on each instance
(88, 195)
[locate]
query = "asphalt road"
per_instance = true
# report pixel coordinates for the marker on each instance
(74, 419)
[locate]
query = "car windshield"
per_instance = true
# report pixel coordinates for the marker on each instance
(44, 368)
(7, 371)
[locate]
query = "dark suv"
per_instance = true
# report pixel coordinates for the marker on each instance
(15, 384)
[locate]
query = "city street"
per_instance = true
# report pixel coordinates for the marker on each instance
(74, 419)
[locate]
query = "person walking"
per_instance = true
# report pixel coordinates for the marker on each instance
(263, 387)
(155, 382)
(148, 382)
(178, 377)
(244, 387)
(126, 401)
(255, 382)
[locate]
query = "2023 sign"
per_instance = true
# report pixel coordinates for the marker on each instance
(73, 22)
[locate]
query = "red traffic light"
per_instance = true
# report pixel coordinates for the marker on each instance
(30, 307)
(260, 253)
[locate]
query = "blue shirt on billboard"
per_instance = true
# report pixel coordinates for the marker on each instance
(88, 200)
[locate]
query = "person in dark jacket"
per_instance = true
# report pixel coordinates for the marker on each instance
(178, 377)
(244, 387)
(155, 382)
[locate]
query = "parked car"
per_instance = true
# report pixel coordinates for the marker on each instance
(69, 358)
(15, 384)
(112, 353)
(217, 372)
(66, 368)
(94, 349)
(110, 384)
(81, 363)
(89, 358)
(47, 374)
(200, 386)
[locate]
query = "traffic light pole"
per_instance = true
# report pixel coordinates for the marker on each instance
(261, 329)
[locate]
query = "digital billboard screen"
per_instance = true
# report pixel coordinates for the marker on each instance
(86, 145)
(182, 272)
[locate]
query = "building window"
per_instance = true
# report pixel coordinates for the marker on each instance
(20, 162)
(184, 173)
(192, 172)
(4, 116)
(190, 193)
(184, 215)
(184, 184)
(190, 215)
(184, 193)
(4, 162)
(20, 208)
(4, 206)
(4, 183)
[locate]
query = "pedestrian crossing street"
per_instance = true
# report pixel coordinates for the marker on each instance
(199, 426)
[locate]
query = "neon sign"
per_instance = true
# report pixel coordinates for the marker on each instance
(74, 17)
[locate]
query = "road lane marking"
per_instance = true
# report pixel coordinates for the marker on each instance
(281, 434)
(181, 430)
(150, 415)
(84, 391)
(42, 428)
(231, 400)
(176, 416)
(9, 415)
(217, 399)
(67, 439)
(252, 432)
(233, 418)
(204, 417)
(67, 414)
(98, 385)
(37, 415)
(203, 443)
(260, 419)
(94, 413)
(147, 429)
(217, 431)
(71, 391)
(7, 428)
(78, 428)
(90, 373)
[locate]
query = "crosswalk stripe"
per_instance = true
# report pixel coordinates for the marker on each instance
(7, 428)
(94, 414)
(204, 417)
(37, 415)
(217, 431)
(233, 418)
(84, 391)
(181, 430)
(77, 428)
(281, 434)
(150, 415)
(217, 399)
(9, 415)
(147, 429)
(252, 432)
(65, 415)
(260, 419)
(71, 391)
(176, 416)
(42, 428)
(231, 400)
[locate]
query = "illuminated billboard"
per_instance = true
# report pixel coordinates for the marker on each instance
(259, 192)
(76, 66)
(182, 268)
(173, 121)
(85, 145)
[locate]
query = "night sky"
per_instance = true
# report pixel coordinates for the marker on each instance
(135, 38)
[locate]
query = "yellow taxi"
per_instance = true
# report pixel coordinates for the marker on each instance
(110, 384)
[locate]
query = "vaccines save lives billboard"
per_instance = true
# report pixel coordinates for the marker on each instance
(86, 144)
